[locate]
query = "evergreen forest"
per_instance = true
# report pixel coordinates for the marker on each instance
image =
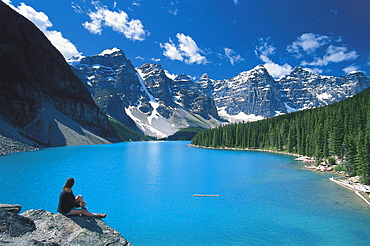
(340, 131)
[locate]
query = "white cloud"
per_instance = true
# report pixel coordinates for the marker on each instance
(309, 43)
(135, 3)
(314, 70)
(232, 56)
(77, 8)
(236, 2)
(263, 52)
(171, 51)
(334, 54)
(277, 71)
(351, 68)
(320, 49)
(173, 12)
(117, 20)
(41, 20)
(186, 50)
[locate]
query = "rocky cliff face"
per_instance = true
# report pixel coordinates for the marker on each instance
(34, 75)
(250, 92)
(39, 227)
(144, 97)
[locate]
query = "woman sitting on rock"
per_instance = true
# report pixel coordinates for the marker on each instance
(68, 202)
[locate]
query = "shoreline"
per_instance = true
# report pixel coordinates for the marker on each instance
(248, 149)
(361, 190)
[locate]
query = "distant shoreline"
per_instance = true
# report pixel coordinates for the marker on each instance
(262, 150)
(363, 191)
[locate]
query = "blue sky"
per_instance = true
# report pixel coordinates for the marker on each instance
(218, 37)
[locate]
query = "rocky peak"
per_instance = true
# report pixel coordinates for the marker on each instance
(356, 77)
(157, 82)
(153, 70)
(205, 85)
(113, 58)
(183, 81)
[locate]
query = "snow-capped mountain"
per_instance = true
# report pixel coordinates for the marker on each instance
(144, 98)
(250, 93)
(305, 89)
(159, 106)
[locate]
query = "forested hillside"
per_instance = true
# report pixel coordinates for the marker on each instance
(340, 130)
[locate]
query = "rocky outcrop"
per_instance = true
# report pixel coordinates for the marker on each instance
(13, 208)
(34, 75)
(39, 227)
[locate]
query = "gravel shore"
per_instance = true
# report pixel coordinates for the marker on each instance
(8, 146)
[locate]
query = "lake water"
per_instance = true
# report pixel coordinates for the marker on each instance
(147, 188)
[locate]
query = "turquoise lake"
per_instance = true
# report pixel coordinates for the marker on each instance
(147, 188)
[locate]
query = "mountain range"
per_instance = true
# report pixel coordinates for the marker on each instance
(150, 100)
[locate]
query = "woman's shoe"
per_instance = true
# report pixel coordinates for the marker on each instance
(101, 216)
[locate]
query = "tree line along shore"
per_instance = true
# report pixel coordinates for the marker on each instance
(338, 134)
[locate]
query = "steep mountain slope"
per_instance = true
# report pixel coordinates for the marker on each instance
(144, 98)
(34, 77)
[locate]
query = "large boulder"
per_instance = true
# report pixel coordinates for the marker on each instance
(39, 227)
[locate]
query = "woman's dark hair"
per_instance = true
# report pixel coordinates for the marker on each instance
(69, 184)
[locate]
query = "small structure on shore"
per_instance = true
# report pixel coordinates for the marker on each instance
(306, 159)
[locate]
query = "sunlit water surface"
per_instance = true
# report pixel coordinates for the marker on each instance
(147, 188)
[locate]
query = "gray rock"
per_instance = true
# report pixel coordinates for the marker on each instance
(13, 208)
(39, 227)
(14, 225)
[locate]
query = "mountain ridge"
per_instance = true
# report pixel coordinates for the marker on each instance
(181, 102)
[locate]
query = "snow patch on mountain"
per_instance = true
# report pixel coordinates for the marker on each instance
(240, 117)
(153, 125)
(140, 76)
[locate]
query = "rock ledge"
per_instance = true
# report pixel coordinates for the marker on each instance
(39, 227)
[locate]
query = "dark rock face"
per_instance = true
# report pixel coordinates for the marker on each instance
(157, 83)
(39, 227)
(113, 83)
(33, 73)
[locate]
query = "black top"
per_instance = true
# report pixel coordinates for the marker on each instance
(66, 202)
